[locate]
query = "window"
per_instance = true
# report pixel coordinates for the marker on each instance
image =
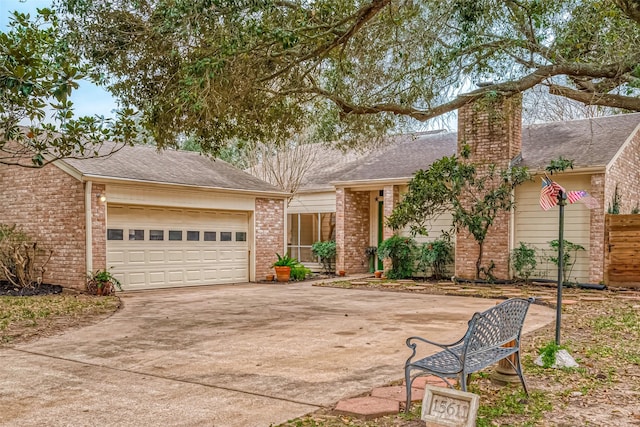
(241, 236)
(136, 234)
(175, 234)
(225, 236)
(209, 236)
(306, 229)
(115, 234)
(193, 236)
(156, 234)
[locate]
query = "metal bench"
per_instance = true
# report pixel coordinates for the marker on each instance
(482, 345)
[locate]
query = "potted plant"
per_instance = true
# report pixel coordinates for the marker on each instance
(102, 282)
(283, 267)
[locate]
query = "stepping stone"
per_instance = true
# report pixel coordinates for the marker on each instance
(593, 299)
(374, 280)
(405, 281)
(421, 382)
(468, 290)
(367, 408)
(569, 301)
(359, 283)
(450, 288)
(398, 393)
(391, 285)
(628, 297)
(416, 288)
(444, 283)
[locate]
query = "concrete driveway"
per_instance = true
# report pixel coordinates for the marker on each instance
(244, 355)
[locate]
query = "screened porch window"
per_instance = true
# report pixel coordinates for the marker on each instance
(305, 230)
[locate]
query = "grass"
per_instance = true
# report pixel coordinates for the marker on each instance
(24, 317)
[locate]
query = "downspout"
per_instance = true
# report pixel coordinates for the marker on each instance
(88, 186)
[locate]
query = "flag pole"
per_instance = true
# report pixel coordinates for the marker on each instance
(562, 201)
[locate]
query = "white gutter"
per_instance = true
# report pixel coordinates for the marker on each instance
(88, 186)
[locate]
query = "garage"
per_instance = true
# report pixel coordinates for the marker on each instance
(160, 247)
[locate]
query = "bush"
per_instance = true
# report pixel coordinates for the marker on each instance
(436, 256)
(299, 272)
(326, 251)
(402, 251)
(568, 260)
(22, 261)
(523, 261)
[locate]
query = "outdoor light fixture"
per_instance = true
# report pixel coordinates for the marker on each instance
(101, 197)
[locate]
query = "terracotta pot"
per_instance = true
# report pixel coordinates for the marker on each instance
(342, 273)
(270, 277)
(283, 273)
(378, 274)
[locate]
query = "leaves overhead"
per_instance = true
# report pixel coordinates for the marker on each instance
(263, 69)
(38, 74)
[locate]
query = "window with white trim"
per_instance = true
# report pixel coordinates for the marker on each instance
(306, 229)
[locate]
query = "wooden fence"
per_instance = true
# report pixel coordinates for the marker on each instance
(622, 251)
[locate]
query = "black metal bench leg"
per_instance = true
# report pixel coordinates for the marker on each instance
(408, 381)
(520, 374)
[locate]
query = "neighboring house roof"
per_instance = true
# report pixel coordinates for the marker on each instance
(588, 142)
(146, 163)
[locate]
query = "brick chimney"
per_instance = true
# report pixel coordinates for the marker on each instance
(493, 131)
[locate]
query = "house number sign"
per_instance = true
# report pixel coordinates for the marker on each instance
(446, 407)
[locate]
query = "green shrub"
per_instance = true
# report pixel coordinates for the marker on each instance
(299, 272)
(402, 252)
(285, 261)
(436, 256)
(326, 251)
(568, 260)
(523, 261)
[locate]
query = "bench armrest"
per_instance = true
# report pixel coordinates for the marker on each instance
(445, 347)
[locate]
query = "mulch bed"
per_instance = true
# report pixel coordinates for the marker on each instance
(8, 289)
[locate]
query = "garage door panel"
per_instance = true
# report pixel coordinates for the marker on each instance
(145, 264)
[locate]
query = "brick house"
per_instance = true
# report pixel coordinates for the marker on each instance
(348, 199)
(157, 219)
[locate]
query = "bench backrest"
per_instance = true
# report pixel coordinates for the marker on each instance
(496, 326)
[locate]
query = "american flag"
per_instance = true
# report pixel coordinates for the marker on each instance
(584, 197)
(549, 193)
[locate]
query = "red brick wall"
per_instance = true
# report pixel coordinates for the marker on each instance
(269, 231)
(596, 230)
(352, 230)
(49, 205)
(493, 132)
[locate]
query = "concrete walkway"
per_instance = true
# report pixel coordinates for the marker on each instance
(244, 355)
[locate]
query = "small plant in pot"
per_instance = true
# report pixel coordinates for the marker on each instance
(283, 267)
(102, 282)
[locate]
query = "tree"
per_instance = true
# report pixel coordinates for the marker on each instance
(264, 69)
(38, 73)
(474, 197)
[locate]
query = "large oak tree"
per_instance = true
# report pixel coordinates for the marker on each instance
(262, 69)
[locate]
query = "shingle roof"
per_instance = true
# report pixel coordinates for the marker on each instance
(145, 163)
(588, 142)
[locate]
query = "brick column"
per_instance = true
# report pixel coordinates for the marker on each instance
(269, 234)
(596, 230)
(99, 227)
(352, 230)
(493, 131)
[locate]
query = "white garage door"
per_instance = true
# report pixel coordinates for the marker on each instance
(163, 247)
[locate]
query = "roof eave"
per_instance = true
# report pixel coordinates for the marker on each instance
(111, 179)
(370, 182)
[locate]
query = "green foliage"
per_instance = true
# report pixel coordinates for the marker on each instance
(402, 251)
(570, 253)
(263, 70)
(559, 165)
(436, 256)
(38, 74)
(102, 282)
(548, 354)
(614, 206)
(523, 261)
(326, 251)
(635, 210)
(299, 272)
(446, 187)
(285, 261)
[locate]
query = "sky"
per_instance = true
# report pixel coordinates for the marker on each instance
(88, 99)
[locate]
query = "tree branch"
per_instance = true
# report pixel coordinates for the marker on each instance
(595, 98)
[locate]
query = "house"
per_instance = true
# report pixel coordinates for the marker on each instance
(349, 200)
(156, 219)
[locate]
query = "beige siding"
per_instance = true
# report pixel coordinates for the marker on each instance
(313, 202)
(537, 227)
(435, 228)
